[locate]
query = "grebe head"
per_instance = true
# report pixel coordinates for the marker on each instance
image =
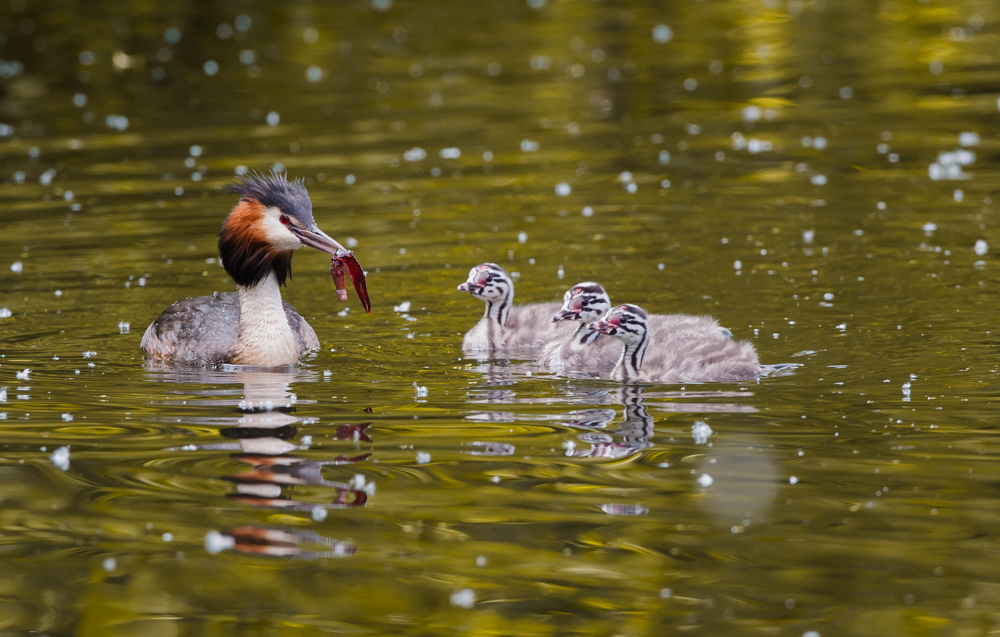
(626, 323)
(273, 218)
(489, 282)
(584, 302)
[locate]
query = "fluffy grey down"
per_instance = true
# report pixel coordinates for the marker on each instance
(602, 354)
(529, 327)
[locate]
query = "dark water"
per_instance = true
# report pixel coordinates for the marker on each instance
(775, 164)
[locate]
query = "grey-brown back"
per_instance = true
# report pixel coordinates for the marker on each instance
(203, 331)
(692, 358)
(530, 327)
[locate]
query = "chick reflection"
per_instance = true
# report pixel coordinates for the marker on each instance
(265, 434)
(635, 430)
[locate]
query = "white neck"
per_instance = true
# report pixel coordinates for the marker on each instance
(585, 335)
(265, 337)
(499, 310)
(628, 365)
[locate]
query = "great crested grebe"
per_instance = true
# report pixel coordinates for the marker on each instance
(504, 326)
(587, 350)
(646, 359)
(252, 326)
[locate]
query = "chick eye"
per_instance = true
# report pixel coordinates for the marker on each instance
(283, 219)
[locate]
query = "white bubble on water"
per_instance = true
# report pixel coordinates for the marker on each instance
(450, 153)
(563, 189)
(465, 598)
(273, 118)
(981, 247)
(818, 180)
(522, 237)
(528, 146)
(808, 235)
(737, 265)
(929, 227)
(752, 113)
(828, 296)
(705, 480)
(701, 432)
(423, 457)
(314, 74)
(60, 458)
(5, 313)
(216, 542)
(109, 564)
(415, 154)
(793, 480)
(662, 34)
(968, 139)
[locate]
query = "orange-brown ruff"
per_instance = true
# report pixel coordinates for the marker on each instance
(252, 326)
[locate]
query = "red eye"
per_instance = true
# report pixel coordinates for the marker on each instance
(283, 219)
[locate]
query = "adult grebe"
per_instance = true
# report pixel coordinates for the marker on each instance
(698, 358)
(504, 327)
(252, 326)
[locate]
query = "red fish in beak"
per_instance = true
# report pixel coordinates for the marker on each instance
(343, 262)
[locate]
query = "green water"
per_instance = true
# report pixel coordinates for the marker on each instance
(551, 506)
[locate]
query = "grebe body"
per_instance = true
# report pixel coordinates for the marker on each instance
(505, 327)
(252, 326)
(587, 350)
(644, 358)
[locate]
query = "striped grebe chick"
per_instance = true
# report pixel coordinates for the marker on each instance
(645, 358)
(587, 350)
(505, 327)
(252, 326)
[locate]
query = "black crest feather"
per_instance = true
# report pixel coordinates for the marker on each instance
(275, 190)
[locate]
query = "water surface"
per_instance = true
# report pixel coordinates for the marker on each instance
(776, 165)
